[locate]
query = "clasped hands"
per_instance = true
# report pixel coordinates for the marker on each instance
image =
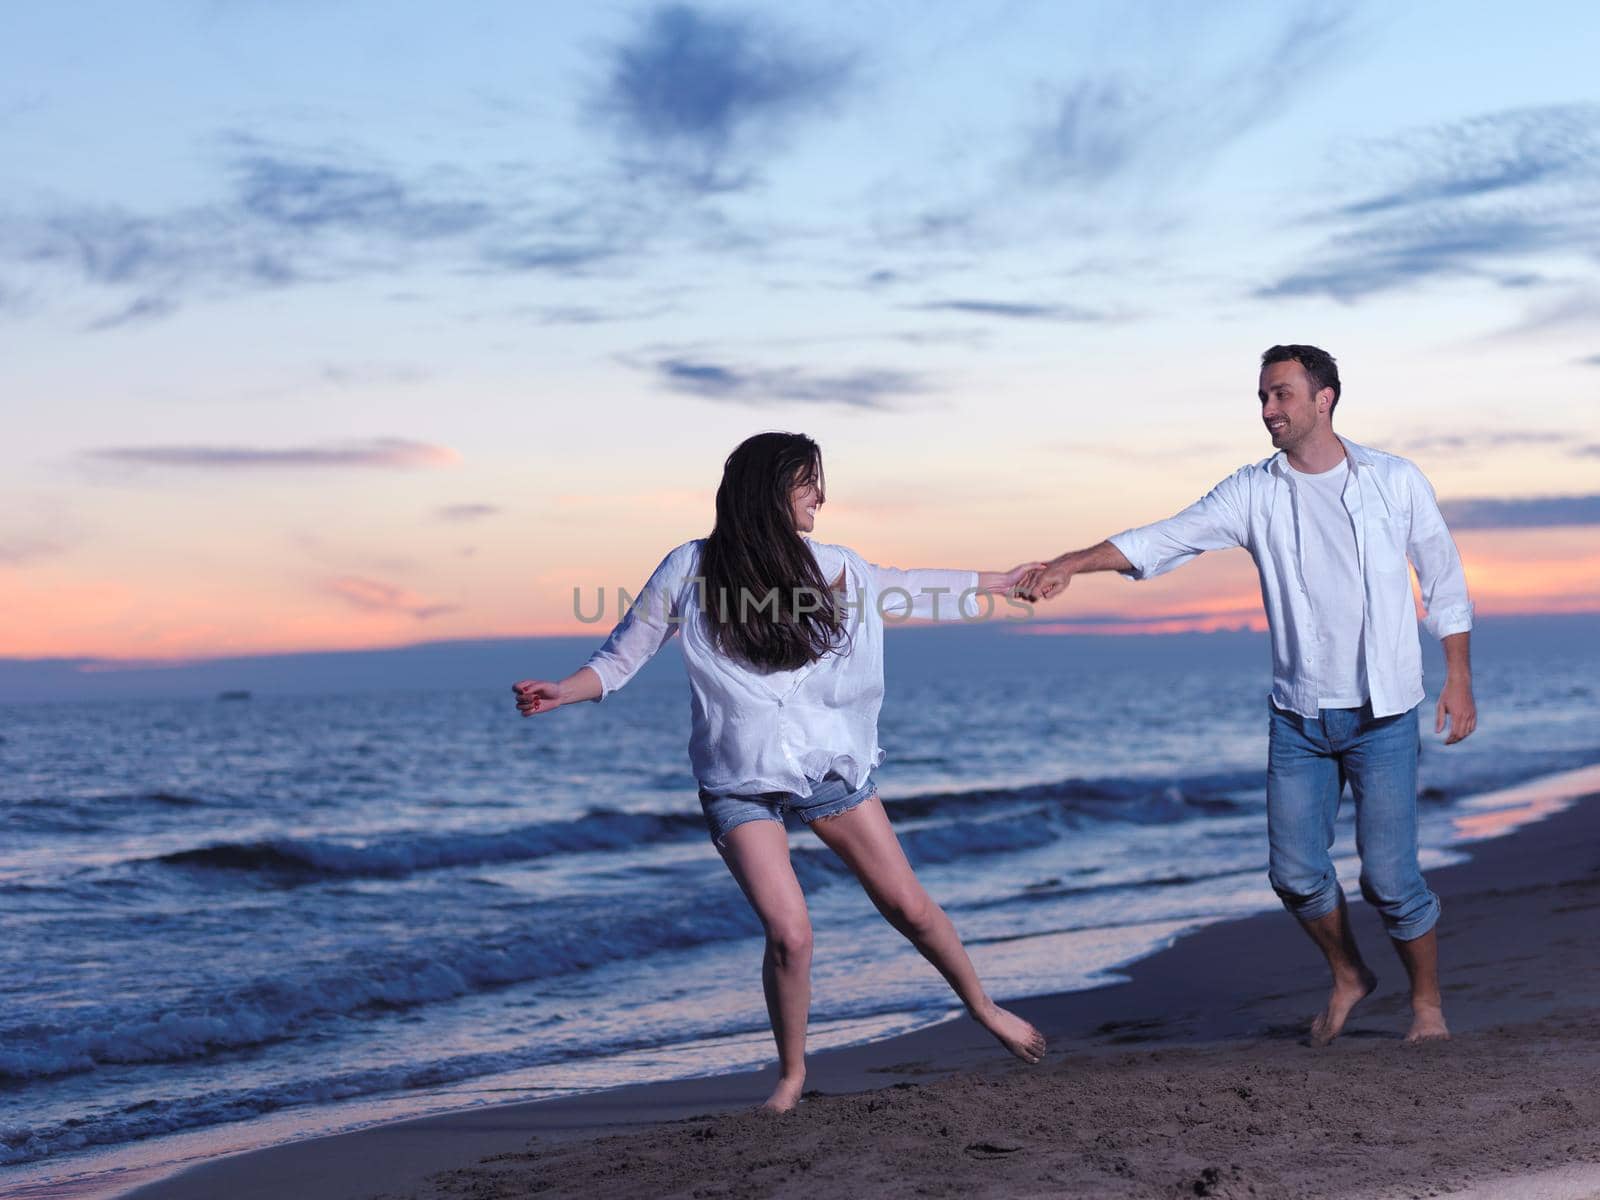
(1041, 581)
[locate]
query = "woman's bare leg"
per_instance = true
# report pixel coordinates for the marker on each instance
(757, 853)
(864, 839)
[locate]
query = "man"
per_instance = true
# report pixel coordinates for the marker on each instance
(1331, 526)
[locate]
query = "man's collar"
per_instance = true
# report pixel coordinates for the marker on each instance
(1356, 453)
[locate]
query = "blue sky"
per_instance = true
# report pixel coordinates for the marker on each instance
(351, 324)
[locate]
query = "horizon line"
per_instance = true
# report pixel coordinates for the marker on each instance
(1107, 625)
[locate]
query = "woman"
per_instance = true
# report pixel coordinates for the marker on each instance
(783, 643)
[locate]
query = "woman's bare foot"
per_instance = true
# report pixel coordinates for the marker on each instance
(786, 1095)
(1012, 1032)
(1346, 994)
(1427, 1024)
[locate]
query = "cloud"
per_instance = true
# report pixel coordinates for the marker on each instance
(1469, 441)
(868, 388)
(145, 308)
(584, 314)
(18, 551)
(287, 217)
(113, 248)
(1101, 126)
(700, 94)
(975, 338)
(1592, 361)
(309, 196)
(1522, 513)
(1106, 127)
(105, 247)
(1498, 152)
(1471, 198)
(1012, 309)
(1392, 254)
(389, 453)
(292, 216)
(371, 595)
(1576, 310)
(549, 256)
(466, 512)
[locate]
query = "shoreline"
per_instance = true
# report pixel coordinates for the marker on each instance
(1175, 998)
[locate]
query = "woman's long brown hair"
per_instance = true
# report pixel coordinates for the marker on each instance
(765, 598)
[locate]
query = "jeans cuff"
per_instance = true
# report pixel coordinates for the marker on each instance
(1417, 926)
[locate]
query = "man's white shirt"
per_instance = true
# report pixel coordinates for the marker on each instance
(1329, 537)
(1394, 520)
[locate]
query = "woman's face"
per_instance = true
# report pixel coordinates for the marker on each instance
(805, 497)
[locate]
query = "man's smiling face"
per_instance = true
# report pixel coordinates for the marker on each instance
(1289, 407)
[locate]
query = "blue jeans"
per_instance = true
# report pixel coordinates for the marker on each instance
(828, 797)
(1308, 762)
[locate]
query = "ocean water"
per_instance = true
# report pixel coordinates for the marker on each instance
(224, 923)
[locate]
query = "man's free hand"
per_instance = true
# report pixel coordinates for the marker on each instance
(1458, 707)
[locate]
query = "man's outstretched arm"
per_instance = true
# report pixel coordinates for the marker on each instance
(1215, 521)
(1052, 578)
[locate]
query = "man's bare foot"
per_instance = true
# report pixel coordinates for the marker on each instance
(1012, 1032)
(1346, 994)
(1427, 1024)
(786, 1095)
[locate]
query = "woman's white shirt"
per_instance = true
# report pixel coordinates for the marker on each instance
(780, 731)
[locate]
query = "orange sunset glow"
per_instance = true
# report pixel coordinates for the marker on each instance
(382, 380)
(60, 613)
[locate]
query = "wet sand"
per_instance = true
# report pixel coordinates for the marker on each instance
(1191, 1079)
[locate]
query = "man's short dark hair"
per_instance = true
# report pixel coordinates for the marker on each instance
(1317, 364)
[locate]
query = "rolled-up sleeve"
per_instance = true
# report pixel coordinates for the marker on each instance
(1447, 608)
(1216, 521)
(926, 595)
(646, 627)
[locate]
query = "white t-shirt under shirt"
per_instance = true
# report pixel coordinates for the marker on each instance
(1391, 506)
(1332, 568)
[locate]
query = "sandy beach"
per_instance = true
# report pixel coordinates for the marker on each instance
(1193, 1078)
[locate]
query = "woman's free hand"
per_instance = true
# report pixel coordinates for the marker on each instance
(536, 696)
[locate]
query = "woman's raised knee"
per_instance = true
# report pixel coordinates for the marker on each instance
(790, 941)
(912, 911)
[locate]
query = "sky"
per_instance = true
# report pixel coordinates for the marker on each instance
(341, 325)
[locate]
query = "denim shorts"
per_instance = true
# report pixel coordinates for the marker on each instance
(829, 797)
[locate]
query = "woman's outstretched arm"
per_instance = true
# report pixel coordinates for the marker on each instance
(940, 595)
(648, 625)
